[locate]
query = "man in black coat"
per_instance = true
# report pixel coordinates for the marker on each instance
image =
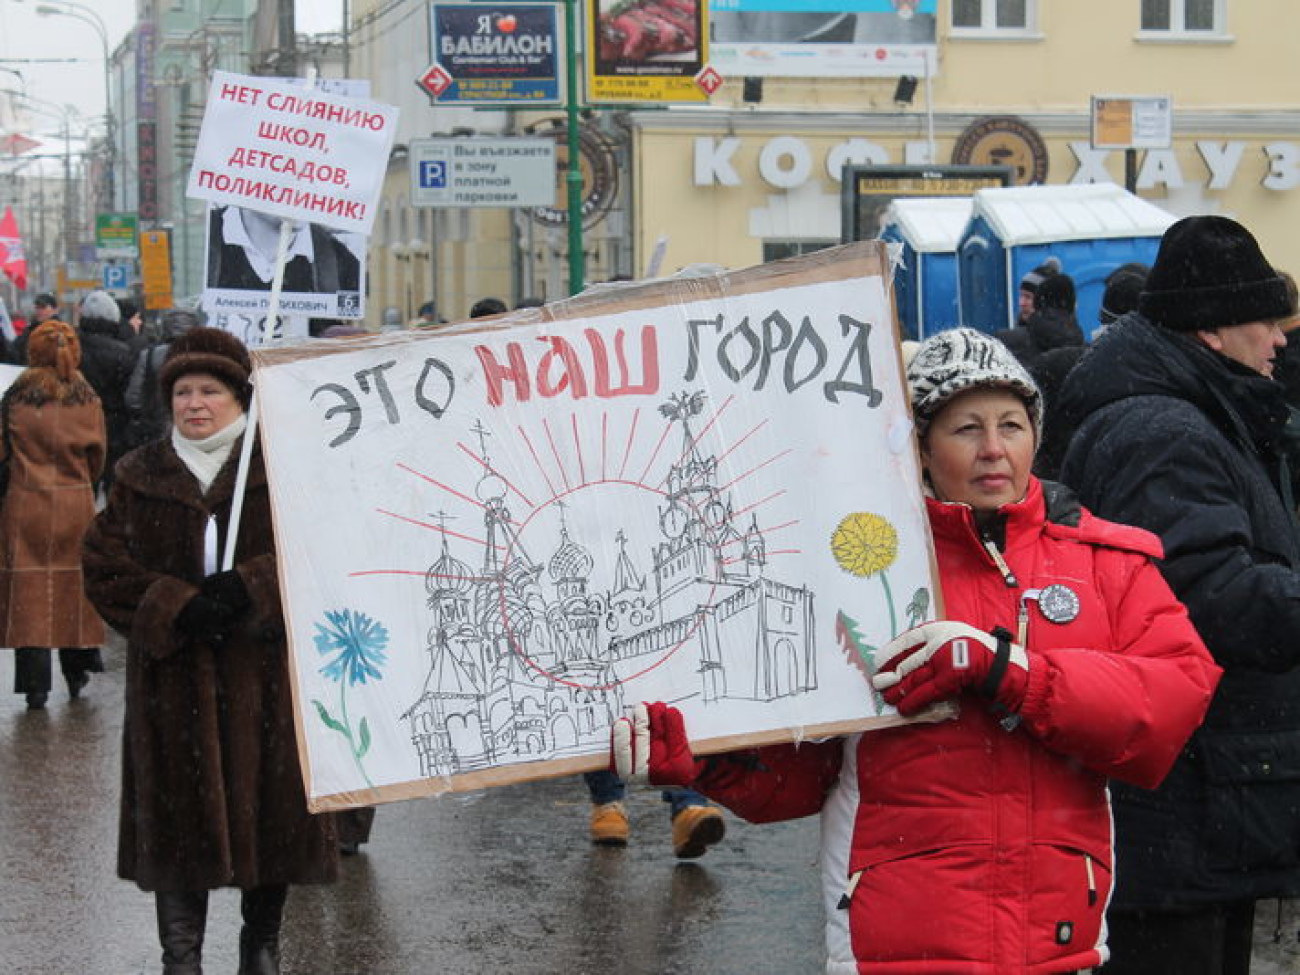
(45, 307)
(106, 362)
(1179, 433)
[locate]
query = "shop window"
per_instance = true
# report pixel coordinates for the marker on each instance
(993, 16)
(1180, 17)
(775, 250)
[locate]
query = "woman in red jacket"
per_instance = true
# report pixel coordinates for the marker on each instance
(982, 844)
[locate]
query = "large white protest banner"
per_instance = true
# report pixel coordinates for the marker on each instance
(494, 537)
(300, 153)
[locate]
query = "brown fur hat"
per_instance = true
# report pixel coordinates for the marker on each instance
(54, 344)
(210, 350)
(53, 355)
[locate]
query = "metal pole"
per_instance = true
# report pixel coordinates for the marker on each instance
(288, 36)
(347, 42)
(573, 178)
(929, 109)
(87, 15)
(67, 191)
(110, 187)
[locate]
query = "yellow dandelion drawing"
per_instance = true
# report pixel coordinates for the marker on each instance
(864, 543)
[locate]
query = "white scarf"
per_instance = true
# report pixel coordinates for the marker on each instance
(205, 458)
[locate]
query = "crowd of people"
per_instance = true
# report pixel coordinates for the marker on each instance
(1117, 792)
(1115, 529)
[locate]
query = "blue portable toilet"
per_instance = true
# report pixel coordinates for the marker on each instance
(1090, 228)
(926, 230)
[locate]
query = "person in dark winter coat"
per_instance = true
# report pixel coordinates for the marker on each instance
(1051, 325)
(1048, 344)
(1287, 372)
(149, 415)
(981, 842)
(1120, 296)
(54, 445)
(212, 789)
(106, 363)
(1179, 433)
(1029, 286)
(45, 307)
(131, 325)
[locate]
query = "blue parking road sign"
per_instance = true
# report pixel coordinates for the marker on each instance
(116, 277)
(433, 174)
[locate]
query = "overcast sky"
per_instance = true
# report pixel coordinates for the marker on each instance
(39, 46)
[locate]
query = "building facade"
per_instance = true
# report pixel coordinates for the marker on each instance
(755, 173)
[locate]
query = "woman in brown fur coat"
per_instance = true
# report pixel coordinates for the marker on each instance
(55, 446)
(212, 791)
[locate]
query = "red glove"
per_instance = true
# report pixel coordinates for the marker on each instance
(941, 659)
(652, 744)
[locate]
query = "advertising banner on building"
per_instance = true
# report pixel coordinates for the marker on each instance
(156, 269)
(826, 39)
(703, 491)
(115, 235)
(497, 54)
(648, 51)
(297, 153)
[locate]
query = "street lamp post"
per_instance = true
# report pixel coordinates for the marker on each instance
(63, 113)
(87, 15)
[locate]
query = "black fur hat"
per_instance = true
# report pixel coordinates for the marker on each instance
(1208, 273)
(1120, 296)
(210, 350)
(1056, 291)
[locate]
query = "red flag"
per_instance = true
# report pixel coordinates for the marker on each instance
(13, 260)
(16, 143)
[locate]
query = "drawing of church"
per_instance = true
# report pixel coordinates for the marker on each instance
(528, 659)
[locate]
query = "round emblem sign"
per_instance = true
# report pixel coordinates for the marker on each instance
(599, 172)
(1058, 603)
(1004, 140)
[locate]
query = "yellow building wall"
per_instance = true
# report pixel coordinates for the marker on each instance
(1238, 89)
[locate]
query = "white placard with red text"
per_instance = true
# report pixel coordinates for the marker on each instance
(299, 153)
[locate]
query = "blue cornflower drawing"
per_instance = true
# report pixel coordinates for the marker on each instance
(358, 643)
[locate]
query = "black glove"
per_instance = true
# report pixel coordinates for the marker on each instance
(206, 618)
(227, 588)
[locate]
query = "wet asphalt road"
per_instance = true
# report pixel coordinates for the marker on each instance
(504, 880)
(499, 881)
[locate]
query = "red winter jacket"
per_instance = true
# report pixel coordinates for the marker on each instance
(965, 847)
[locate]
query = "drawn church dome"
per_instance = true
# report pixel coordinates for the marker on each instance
(571, 560)
(448, 575)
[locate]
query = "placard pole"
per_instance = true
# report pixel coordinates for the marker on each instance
(250, 431)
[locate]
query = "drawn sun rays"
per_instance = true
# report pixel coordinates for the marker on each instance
(592, 459)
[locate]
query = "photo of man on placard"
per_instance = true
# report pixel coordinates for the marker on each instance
(323, 274)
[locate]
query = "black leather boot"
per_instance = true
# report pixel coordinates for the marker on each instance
(182, 918)
(259, 940)
(32, 675)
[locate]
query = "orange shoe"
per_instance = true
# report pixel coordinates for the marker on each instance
(609, 824)
(695, 829)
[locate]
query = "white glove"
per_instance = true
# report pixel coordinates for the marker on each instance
(938, 660)
(629, 746)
